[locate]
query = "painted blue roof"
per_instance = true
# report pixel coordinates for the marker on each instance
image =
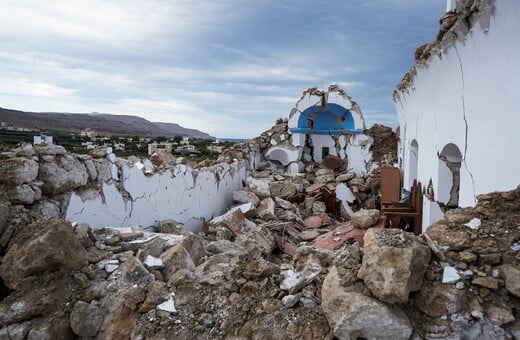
(333, 119)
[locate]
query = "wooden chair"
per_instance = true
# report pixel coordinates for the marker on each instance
(410, 213)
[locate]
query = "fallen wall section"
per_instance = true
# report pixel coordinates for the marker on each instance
(105, 191)
(187, 195)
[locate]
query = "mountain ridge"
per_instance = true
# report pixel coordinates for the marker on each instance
(102, 123)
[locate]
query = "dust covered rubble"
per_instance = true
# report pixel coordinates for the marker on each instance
(287, 260)
(238, 279)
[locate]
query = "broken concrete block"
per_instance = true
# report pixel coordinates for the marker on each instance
(50, 149)
(352, 315)
(295, 167)
(282, 189)
(260, 186)
(450, 275)
(324, 175)
(364, 219)
(291, 300)
(52, 247)
(63, 175)
(152, 262)
(175, 258)
(248, 209)
(162, 157)
(244, 196)
(284, 204)
(396, 256)
(438, 299)
(86, 318)
(226, 246)
(295, 281)
(266, 209)
(233, 219)
(512, 278)
(346, 176)
(500, 315)
(134, 273)
(24, 194)
(16, 171)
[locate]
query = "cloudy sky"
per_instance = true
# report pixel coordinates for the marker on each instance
(227, 67)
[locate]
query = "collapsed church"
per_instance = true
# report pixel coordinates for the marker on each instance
(283, 236)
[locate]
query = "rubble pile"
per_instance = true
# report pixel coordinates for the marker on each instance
(267, 268)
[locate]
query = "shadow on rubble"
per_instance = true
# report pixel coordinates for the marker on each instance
(4, 291)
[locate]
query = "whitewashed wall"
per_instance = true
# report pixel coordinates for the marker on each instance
(470, 97)
(183, 194)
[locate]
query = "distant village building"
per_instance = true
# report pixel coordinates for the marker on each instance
(216, 148)
(185, 148)
(88, 133)
(153, 147)
(43, 139)
(119, 146)
(89, 145)
(458, 108)
(185, 140)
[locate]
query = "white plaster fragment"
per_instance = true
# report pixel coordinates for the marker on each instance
(148, 166)
(111, 157)
(168, 306)
(474, 224)
(153, 262)
(344, 193)
(295, 167)
(450, 275)
(139, 165)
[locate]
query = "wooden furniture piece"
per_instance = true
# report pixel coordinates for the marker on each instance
(390, 184)
(400, 215)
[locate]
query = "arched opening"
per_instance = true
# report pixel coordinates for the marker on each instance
(413, 162)
(448, 181)
(333, 119)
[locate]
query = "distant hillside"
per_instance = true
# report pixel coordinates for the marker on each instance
(102, 123)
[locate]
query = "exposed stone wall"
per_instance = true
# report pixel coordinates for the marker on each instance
(102, 190)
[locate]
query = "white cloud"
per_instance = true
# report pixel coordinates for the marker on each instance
(35, 88)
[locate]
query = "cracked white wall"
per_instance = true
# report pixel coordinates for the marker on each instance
(469, 97)
(183, 194)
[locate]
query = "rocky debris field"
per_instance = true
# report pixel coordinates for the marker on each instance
(301, 256)
(266, 269)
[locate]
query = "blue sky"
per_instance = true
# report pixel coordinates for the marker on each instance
(228, 67)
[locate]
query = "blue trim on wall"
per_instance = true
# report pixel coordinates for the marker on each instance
(334, 119)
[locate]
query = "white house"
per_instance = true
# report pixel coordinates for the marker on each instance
(152, 147)
(458, 107)
(43, 139)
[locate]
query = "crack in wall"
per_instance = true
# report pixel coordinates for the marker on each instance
(465, 122)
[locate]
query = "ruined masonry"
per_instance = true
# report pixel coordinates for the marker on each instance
(323, 123)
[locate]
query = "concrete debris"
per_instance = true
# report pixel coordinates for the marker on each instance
(366, 218)
(168, 306)
(279, 254)
(396, 257)
(353, 315)
(450, 275)
(474, 223)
